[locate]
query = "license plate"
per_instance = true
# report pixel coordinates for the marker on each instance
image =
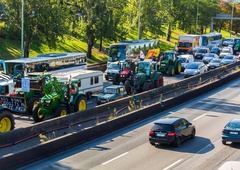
(160, 134)
(233, 133)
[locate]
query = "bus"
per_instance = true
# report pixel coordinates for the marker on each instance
(211, 39)
(131, 49)
(44, 62)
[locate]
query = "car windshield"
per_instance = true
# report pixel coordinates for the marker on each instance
(110, 90)
(114, 66)
(226, 50)
(201, 51)
(233, 125)
(183, 60)
(228, 57)
(164, 127)
(192, 66)
(215, 61)
(209, 55)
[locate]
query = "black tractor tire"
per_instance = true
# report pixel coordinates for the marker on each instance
(116, 79)
(81, 104)
(178, 68)
(7, 122)
(35, 113)
(171, 70)
(147, 86)
(128, 89)
(31, 103)
(61, 111)
(159, 81)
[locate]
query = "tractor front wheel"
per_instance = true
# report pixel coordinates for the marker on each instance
(127, 87)
(171, 70)
(37, 116)
(6, 121)
(159, 81)
(178, 68)
(61, 111)
(81, 104)
(31, 103)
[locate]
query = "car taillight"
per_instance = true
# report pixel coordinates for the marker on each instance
(223, 132)
(151, 133)
(171, 134)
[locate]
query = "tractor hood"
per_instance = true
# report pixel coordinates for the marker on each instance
(139, 78)
(126, 71)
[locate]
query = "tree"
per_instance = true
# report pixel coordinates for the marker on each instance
(44, 21)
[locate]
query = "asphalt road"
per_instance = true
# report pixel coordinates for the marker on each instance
(23, 120)
(129, 148)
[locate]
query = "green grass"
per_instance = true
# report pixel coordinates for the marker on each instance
(11, 49)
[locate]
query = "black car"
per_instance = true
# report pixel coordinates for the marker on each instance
(201, 52)
(231, 131)
(171, 130)
(216, 50)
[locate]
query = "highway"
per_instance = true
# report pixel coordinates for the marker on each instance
(129, 148)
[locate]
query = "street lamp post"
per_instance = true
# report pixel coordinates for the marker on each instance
(22, 30)
(197, 17)
(232, 19)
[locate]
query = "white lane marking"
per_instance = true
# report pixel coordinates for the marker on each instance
(199, 117)
(173, 164)
(114, 158)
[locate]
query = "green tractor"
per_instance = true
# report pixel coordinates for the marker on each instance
(169, 63)
(61, 98)
(7, 122)
(146, 77)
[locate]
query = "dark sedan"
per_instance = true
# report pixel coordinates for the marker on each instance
(216, 50)
(231, 131)
(171, 130)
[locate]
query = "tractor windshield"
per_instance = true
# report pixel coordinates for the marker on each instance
(167, 56)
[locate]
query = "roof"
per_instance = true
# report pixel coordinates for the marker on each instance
(167, 120)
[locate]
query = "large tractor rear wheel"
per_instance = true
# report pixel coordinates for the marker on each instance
(81, 104)
(37, 116)
(6, 121)
(147, 86)
(159, 81)
(171, 70)
(178, 68)
(61, 111)
(31, 103)
(116, 79)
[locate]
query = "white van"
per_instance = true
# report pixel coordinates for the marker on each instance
(91, 81)
(186, 59)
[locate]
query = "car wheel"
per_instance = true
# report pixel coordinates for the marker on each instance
(177, 141)
(193, 133)
(224, 142)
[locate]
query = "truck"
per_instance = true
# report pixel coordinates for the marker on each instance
(146, 77)
(60, 98)
(169, 63)
(187, 43)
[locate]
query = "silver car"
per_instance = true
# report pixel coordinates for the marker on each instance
(208, 57)
(195, 68)
(215, 63)
(228, 59)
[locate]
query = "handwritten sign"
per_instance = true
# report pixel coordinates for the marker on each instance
(16, 104)
(26, 84)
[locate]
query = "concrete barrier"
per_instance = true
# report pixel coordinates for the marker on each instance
(35, 129)
(56, 145)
